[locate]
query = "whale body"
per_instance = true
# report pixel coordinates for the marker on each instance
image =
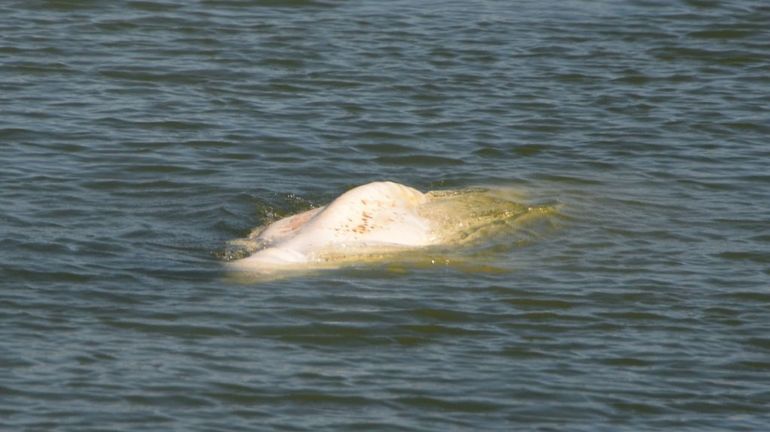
(375, 220)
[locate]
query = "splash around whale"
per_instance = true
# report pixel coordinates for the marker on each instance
(376, 222)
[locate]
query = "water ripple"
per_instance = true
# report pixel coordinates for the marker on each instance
(139, 136)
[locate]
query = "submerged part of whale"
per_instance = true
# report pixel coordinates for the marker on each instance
(374, 221)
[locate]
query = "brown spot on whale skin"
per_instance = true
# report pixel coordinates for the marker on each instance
(360, 229)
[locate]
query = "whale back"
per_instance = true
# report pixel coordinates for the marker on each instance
(380, 213)
(384, 219)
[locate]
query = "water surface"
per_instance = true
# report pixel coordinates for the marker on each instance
(138, 137)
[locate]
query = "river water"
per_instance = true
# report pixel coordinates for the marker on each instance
(138, 137)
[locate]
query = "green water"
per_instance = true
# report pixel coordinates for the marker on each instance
(137, 138)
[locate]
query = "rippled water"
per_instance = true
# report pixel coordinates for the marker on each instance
(138, 137)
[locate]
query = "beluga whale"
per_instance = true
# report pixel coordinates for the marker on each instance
(376, 222)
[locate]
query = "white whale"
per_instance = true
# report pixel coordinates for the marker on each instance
(373, 221)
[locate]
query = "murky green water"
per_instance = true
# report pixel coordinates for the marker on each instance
(138, 137)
